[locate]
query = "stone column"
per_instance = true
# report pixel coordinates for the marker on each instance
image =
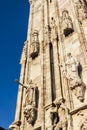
(57, 71)
(47, 56)
(23, 99)
(42, 67)
(48, 76)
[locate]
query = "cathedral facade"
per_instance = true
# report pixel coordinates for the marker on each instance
(52, 91)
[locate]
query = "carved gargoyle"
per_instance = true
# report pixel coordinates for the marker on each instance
(34, 46)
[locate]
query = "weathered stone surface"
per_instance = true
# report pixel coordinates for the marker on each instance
(56, 99)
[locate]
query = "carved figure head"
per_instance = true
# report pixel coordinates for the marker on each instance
(65, 14)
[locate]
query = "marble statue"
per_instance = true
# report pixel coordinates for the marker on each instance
(67, 25)
(72, 75)
(30, 103)
(34, 46)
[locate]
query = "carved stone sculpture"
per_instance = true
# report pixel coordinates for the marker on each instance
(29, 113)
(67, 25)
(54, 119)
(34, 46)
(72, 75)
(62, 112)
(81, 10)
(30, 103)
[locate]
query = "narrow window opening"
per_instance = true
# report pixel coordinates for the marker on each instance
(52, 73)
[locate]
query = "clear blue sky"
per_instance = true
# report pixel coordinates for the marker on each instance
(13, 33)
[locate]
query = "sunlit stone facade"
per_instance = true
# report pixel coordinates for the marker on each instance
(52, 91)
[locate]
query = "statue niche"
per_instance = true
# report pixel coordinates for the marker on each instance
(81, 10)
(72, 75)
(34, 46)
(67, 25)
(30, 109)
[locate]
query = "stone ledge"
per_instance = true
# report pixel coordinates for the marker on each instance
(48, 106)
(38, 128)
(74, 111)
